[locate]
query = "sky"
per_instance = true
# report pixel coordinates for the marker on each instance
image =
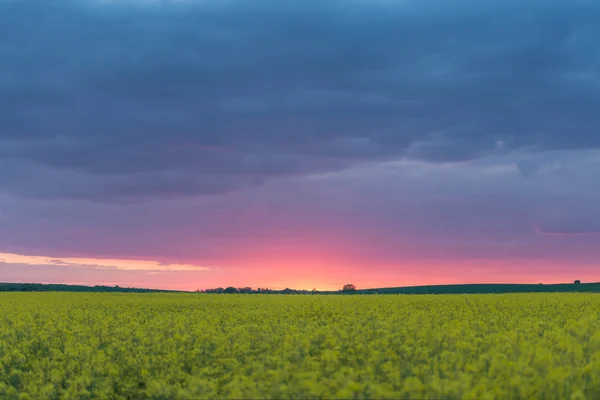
(191, 144)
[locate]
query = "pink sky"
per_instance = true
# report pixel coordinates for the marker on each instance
(279, 270)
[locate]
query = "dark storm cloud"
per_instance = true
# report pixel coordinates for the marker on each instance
(104, 100)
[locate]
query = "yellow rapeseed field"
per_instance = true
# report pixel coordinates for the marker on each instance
(195, 346)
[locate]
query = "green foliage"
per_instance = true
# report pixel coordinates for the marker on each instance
(186, 346)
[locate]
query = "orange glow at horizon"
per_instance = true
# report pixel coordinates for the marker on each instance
(319, 269)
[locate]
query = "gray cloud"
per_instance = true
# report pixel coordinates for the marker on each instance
(121, 101)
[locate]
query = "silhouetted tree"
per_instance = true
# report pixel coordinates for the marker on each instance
(230, 290)
(215, 290)
(577, 282)
(349, 288)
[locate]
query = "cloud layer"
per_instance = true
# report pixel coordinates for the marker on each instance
(121, 101)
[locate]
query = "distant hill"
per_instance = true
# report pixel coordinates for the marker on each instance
(481, 288)
(487, 288)
(39, 287)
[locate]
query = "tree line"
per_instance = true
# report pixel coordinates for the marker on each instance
(247, 290)
(40, 287)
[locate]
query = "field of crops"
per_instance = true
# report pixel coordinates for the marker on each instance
(194, 346)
